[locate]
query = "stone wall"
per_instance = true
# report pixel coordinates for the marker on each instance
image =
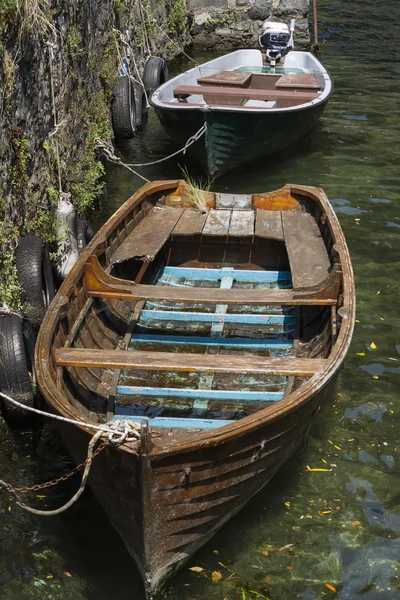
(231, 24)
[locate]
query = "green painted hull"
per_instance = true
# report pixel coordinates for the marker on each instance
(234, 138)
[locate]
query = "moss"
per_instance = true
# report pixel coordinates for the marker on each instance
(74, 40)
(10, 290)
(176, 19)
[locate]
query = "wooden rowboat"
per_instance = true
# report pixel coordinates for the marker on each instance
(220, 332)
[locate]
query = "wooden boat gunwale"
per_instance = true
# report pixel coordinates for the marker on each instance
(289, 403)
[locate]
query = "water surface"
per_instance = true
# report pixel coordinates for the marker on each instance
(308, 533)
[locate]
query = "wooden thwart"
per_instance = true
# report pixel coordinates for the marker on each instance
(172, 361)
(188, 90)
(101, 285)
(217, 222)
(242, 223)
(191, 223)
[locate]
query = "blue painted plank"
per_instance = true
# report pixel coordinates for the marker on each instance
(187, 340)
(236, 274)
(225, 395)
(254, 319)
(175, 423)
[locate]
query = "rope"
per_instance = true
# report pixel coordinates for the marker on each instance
(144, 28)
(116, 432)
(57, 511)
(108, 151)
(167, 36)
(56, 124)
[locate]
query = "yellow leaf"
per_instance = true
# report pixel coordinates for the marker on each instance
(216, 576)
(9, 509)
(326, 512)
(196, 569)
(287, 504)
(377, 293)
(318, 470)
(40, 496)
(215, 552)
(375, 376)
(337, 447)
(265, 552)
(289, 568)
(324, 461)
(356, 523)
(372, 345)
(357, 321)
(67, 573)
(308, 516)
(330, 587)
(49, 576)
(330, 442)
(360, 353)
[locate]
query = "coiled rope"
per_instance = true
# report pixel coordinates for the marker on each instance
(115, 432)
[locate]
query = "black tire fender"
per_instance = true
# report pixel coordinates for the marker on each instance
(140, 104)
(35, 276)
(123, 109)
(17, 376)
(155, 74)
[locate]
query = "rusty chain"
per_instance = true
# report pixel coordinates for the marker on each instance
(47, 484)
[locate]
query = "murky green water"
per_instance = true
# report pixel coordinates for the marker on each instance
(306, 529)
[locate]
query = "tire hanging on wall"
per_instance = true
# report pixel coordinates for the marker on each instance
(35, 277)
(140, 104)
(123, 110)
(17, 376)
(155, 74)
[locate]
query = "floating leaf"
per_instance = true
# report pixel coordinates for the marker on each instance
(196, 569)
(9, 509)
(286, 547)
(265, 552)
(357, 321)
(49, 576)
(40, 496)
(375, 376)
(356, 523)
(67, 573)
(215, 552)
(339, 394)
(287, 504)
(318, 470)
(337, 447)
(216, 576)
(326, 512)
(324, 461)
(373, 346)
(360, 353)
(308, 516)
(289, 568)
(330, 587)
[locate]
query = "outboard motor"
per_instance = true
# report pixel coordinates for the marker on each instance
(276, 38)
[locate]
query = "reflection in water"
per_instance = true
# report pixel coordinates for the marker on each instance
(307, 530)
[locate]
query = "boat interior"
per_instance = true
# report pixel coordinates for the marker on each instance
(225, 82)
(195, 309)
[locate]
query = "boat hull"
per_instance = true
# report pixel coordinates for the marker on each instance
(166, 507)
(235, 138)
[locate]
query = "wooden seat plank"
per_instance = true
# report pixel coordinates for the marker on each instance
(269, 224)
(190, 223)
(147, 239)
(217, 222)
(242, 223)
(298, 80)
(188, 90)
(228, 78)
(172, 361)
(308, 257)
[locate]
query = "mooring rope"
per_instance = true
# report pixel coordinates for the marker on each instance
(116, 433)
(108, 151)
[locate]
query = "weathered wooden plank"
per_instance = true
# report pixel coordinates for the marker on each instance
(242, 275)
(217, 222)
(234, 342)
(202, 363)
(308, 258)
(242, 223)
(190, 223)
(215, 395)
(237, 201)
(269, 224)
(203, 317)
(145, 241)
(171, 423)
(188, 90)
(298, 80)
